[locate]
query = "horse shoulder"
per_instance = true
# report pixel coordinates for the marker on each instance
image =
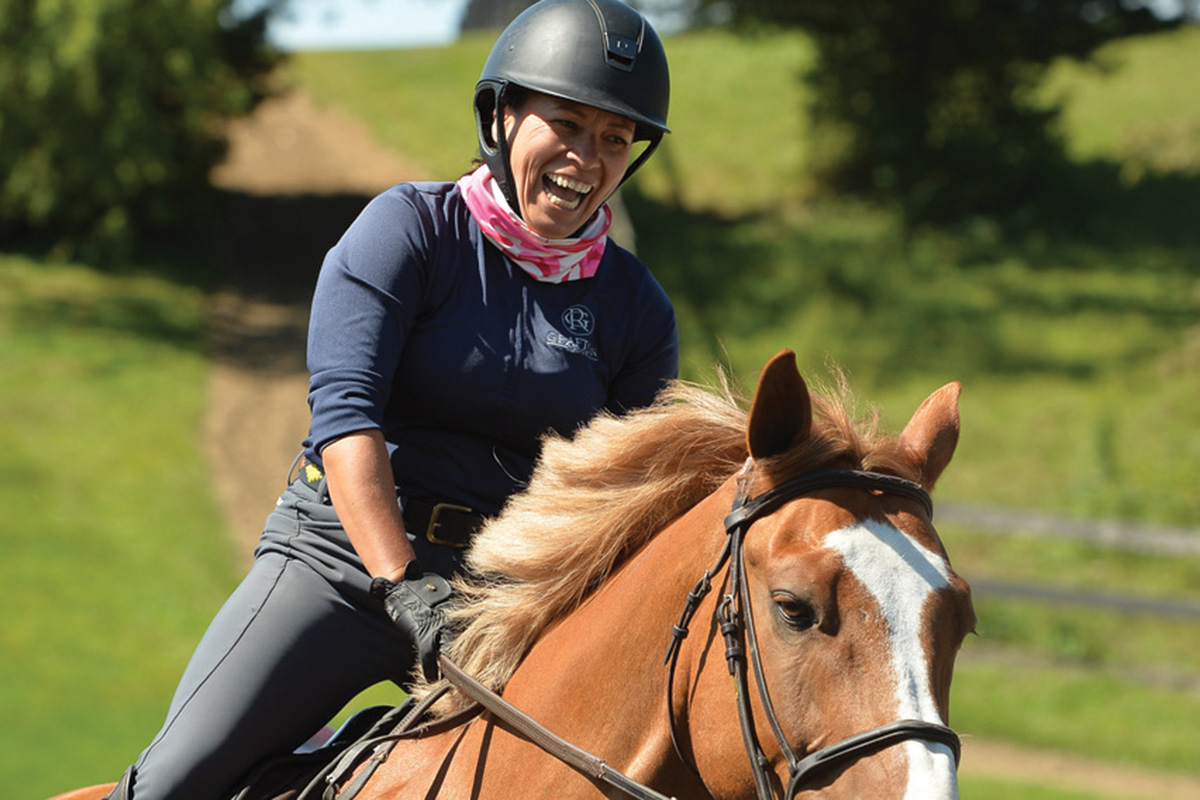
(415, 768)
(87, 793)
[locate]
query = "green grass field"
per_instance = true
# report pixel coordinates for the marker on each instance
(115, 556)
(981, 789)
(1078, 344)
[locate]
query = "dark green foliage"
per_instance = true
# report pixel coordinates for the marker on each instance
(491, 14)
(111, 113)
(930, 102)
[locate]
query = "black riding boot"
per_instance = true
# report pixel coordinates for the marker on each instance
(124, 788)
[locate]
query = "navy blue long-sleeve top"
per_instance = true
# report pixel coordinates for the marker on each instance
(423, 329)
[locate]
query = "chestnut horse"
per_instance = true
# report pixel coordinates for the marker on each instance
(833, 606)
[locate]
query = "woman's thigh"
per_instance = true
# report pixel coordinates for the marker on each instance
(284, 654)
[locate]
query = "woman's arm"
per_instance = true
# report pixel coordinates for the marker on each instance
(363, 491)
(364, 494)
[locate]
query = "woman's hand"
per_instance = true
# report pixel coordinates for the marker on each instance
(414, 603)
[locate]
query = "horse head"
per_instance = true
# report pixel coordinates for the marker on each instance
(848, 614)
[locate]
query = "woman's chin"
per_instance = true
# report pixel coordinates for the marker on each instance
(553, 222)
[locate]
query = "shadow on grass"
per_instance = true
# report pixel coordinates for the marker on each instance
(955, 297)
(270, 247)
(258, 257)
(705, 262)
(898, 300)
(1093, 204)
(255, 258)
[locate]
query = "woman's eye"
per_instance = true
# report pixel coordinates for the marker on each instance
(795, 612)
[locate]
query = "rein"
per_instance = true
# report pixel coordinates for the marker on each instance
(737, 625)
(581, 760)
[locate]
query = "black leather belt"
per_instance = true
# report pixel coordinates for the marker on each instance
(447, 524)
(442, 523)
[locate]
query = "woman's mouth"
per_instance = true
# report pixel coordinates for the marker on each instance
(564, 192)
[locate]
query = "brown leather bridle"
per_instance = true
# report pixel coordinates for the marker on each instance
(737, 626)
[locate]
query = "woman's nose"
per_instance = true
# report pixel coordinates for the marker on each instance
(586, 148)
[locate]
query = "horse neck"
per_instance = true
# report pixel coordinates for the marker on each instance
(610, 650)
(630, 615)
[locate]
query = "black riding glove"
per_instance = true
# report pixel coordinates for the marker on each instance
(413, 604)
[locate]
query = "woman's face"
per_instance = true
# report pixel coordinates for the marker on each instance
(566, 158)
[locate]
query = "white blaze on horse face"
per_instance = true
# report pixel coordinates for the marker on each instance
(902, 575)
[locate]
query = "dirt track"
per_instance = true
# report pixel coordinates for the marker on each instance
(296, 177)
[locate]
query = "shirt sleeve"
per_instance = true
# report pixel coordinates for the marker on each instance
(654, 360)
(367, 299)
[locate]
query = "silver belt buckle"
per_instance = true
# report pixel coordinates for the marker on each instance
(431, 531)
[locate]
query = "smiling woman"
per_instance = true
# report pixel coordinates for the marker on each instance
(566, 159)
(453, 326)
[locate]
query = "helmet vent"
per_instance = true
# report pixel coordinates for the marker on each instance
(622, 52)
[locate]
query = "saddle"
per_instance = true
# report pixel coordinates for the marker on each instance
(304, 774)
(366, 738)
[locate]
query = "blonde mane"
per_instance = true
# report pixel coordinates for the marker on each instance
(593, 500)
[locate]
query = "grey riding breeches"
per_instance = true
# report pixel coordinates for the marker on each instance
(297, 640)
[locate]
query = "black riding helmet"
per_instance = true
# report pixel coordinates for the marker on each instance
(601, 53)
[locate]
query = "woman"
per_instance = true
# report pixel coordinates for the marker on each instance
(452, 325)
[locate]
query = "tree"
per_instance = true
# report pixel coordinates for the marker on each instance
(491, 14)
(111, 112)
(496, 14)
(932, 102)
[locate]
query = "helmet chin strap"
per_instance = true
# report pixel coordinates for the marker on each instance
(506, 179)
(642, 158)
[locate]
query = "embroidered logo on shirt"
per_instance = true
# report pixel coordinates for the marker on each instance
(579, 321)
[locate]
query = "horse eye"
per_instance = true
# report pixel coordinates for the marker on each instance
(795, 612)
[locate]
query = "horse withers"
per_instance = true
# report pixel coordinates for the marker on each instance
(783, 560)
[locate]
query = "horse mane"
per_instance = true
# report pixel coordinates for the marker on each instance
(594, 499)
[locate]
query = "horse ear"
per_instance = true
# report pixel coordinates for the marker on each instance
(781, 414)
(932, 434)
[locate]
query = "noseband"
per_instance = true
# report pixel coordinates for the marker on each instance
(737, 625)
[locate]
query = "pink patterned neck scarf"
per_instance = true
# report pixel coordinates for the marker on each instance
(547, 260)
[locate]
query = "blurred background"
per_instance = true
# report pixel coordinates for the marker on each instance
(998, 192)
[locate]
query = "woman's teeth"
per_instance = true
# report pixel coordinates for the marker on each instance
(567, 203)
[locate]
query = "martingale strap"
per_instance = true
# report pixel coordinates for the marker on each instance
(571, 755)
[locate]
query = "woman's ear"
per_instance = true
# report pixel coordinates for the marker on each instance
(510, 123)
